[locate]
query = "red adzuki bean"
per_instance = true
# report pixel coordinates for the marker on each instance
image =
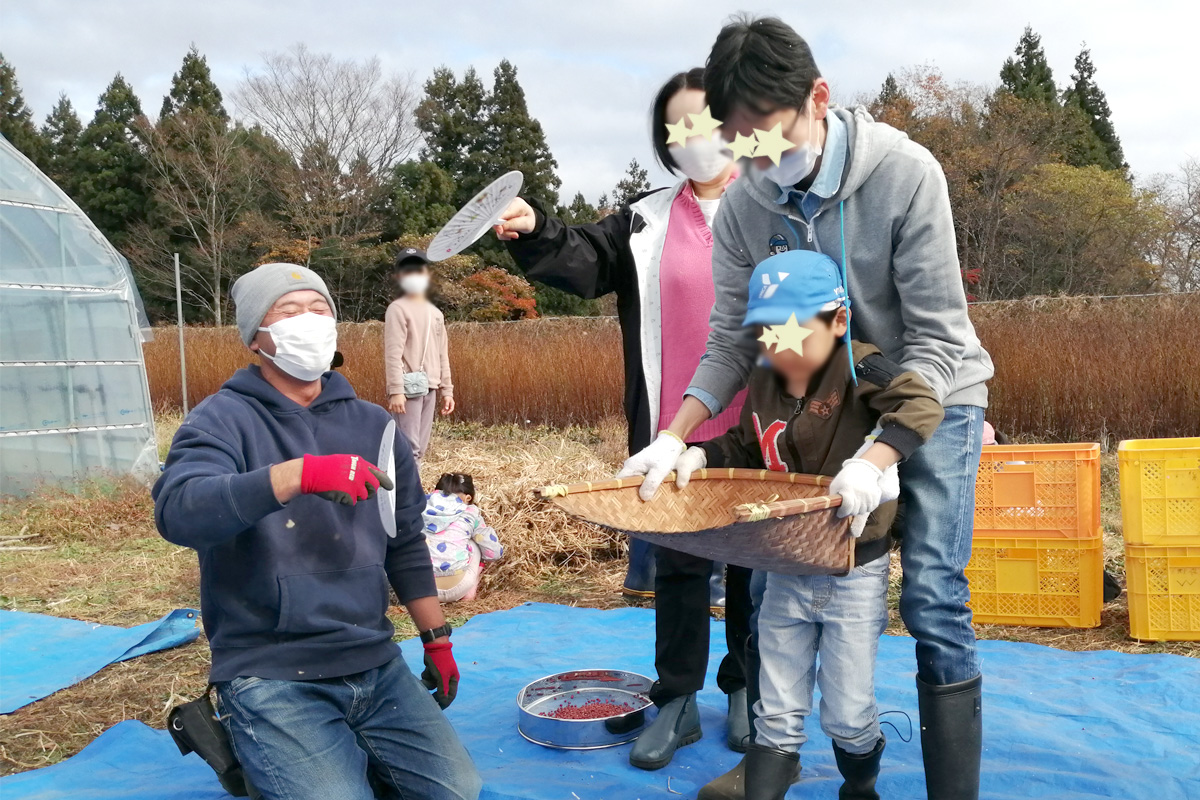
(592, 709)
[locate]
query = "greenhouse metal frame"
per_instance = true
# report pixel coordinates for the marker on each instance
(74, 398)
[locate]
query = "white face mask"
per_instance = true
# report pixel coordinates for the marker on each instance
(304, 345)
(414, 283)
(703, 159)
(796, 164)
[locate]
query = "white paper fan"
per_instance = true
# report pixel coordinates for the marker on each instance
(473, 220)
(387, 462)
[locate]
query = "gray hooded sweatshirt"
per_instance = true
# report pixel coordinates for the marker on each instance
(905, 287)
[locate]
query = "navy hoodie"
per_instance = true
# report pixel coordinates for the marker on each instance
(296, 591)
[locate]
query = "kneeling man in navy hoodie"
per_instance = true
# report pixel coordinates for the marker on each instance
(273, 482)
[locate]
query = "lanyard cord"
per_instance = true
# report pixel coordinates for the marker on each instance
(845, 280)
(846, 289)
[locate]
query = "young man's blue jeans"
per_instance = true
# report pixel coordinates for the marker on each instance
(937, 493)
(840, 619)
(331, 738)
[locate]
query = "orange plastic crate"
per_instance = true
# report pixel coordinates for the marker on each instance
(1160, 491)
(1043, 491)
(1048, 583)
(1164, 593)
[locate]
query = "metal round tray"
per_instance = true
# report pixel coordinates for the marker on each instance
(609, 685)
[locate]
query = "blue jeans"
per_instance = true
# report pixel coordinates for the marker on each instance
(332, 738)
(839, 619)
(937, 490)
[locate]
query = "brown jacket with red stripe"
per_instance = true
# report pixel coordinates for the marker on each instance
(815, 434)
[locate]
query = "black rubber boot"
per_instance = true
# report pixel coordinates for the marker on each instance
(859, 772)
(739, 733)
(732, 785)
(678, 724)
(716, 588)
(769, 772)
(951, 738)
(639, 578)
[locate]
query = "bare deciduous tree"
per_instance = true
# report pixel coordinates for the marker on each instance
(1179, 256)
(205, 181)
(346, 125)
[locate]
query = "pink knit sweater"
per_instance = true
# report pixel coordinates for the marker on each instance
(686, 284)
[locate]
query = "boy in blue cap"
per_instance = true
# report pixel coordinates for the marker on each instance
(820, 404)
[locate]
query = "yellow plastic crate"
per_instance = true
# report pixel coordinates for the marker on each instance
(1164, 592)
(1047, 583)
(1160, 491)
(1043, 491)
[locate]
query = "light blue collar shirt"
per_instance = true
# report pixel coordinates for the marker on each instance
(829, 177)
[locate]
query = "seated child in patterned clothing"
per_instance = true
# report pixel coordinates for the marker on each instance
(458, 539)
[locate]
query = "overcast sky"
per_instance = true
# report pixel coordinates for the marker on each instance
(590, 69)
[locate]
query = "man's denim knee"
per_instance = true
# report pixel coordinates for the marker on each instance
(938, 489)
(470, 783)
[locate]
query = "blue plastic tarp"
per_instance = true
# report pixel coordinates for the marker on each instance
(40, 654)
(129, 761)
(1057, 724)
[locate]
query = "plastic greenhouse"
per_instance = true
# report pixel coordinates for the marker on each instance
(73, 393)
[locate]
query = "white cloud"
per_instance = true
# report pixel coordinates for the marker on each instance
(590, 70)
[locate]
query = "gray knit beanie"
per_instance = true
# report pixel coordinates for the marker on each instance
(255, 292)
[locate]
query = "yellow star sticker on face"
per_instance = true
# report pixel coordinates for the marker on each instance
(788, 336)
(772, 143)
(742, 147)
(678, 133)
(703, 123)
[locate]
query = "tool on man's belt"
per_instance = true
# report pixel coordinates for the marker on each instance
(196, 728)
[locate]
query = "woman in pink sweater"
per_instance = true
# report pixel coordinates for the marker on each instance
(415, 345)
(654, 253)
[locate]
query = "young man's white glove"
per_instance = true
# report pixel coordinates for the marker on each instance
(655, 462)
(694, 458)
(889, 485)
(860, 485)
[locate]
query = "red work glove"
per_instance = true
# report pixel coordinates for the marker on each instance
(441, 673)
(342, 478)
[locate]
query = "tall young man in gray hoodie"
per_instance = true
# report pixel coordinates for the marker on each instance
(833, 180)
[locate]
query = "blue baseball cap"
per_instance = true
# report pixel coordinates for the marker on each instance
(800, 282)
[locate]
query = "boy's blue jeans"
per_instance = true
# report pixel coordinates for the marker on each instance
(321, 739)
(840, 619)
(937, 485)
(937, 493)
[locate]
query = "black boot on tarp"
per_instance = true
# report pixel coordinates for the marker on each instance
(859, 772)
(769, 772)
(738, 733)
(951, 738)
(677, 724)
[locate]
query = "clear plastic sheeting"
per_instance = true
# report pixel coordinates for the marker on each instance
(73, 394)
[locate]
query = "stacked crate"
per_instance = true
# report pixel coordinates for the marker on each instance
(1160, 509)
(1038, 551)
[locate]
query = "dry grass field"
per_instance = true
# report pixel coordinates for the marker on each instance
(558, 372)
(1066, 369)
(105, 563)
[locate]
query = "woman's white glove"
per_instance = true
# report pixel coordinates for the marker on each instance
(694, 458)
(655, 462)
(860, 485)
